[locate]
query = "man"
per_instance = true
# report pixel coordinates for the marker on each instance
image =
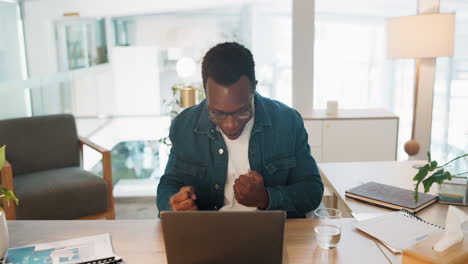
(237, 150)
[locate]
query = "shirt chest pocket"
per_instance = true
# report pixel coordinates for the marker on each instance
(189, 173)
(278, 169)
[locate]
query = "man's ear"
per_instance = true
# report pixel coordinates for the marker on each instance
(255, 86)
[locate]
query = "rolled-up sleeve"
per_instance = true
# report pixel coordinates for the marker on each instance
(169, 184)
(304, 190)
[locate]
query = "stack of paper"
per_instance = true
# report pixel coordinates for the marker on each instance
(397, 230)
(92, 249)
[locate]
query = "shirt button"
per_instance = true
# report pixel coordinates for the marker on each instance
(221, 151)
(216, 187)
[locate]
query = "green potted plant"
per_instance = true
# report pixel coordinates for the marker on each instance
(5, 195)
(440, 175)
(175, 105)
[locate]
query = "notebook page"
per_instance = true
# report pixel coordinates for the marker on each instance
(365, 216)
(398, 230)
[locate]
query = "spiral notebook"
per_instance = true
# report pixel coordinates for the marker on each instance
(398, 230)
(83, 250)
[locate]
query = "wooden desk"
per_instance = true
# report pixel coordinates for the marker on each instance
(141, 241)
(339, 177)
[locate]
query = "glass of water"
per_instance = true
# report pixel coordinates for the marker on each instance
(328, 230)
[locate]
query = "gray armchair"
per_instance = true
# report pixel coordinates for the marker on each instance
(43, 169)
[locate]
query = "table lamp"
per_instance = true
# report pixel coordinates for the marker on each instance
(419, 37)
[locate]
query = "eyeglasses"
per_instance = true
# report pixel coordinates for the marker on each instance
(242, 114)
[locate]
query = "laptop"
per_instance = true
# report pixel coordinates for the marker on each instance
(223, 237)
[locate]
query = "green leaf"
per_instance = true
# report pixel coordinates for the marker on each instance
(423, 171)
(7, 195)
(419, 177)
(2, 156)
(438, 177)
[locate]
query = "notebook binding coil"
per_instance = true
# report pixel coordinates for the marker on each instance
(110, 260)
(407, 213)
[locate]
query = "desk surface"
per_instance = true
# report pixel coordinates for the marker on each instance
(340, 177)
(141, 241)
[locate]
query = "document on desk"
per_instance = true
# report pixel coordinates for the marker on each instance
(91, 249)
(398, 230)
(365, 216)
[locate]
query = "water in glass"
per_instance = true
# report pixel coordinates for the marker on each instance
(328, 230)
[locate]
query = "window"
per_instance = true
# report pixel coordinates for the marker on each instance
(351, 64)
(12, 62)
(449, 121)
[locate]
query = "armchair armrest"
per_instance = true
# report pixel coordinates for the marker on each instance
(7, 182)
(106, 170)
(89, 143)
(106, 158)
(7, 176)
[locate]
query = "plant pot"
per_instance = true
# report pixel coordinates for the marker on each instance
(4, 237)
(187, 96)
(454, 191)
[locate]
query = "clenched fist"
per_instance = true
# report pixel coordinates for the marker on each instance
(249, 190)
(184, 200)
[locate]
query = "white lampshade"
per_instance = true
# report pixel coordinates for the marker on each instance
(422, 36)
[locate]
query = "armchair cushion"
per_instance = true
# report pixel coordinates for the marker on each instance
(40, 143)
(60, 194)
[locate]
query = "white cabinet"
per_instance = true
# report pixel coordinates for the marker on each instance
(81, 42)
(314, 129)
(353, 135)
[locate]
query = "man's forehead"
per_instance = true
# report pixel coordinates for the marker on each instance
(240, 88)
(228, 98)
(243, 82)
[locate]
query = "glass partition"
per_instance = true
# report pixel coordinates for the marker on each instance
(449, 121)
(13, 98)
(264, 28)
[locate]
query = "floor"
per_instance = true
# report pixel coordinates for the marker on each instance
(135, 208)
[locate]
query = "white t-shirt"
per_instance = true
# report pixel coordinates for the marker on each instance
(238, 164)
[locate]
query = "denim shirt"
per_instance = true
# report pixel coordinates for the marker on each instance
(278, 150)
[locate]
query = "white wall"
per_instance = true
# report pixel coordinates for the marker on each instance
(136, 81)
(92, 91)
